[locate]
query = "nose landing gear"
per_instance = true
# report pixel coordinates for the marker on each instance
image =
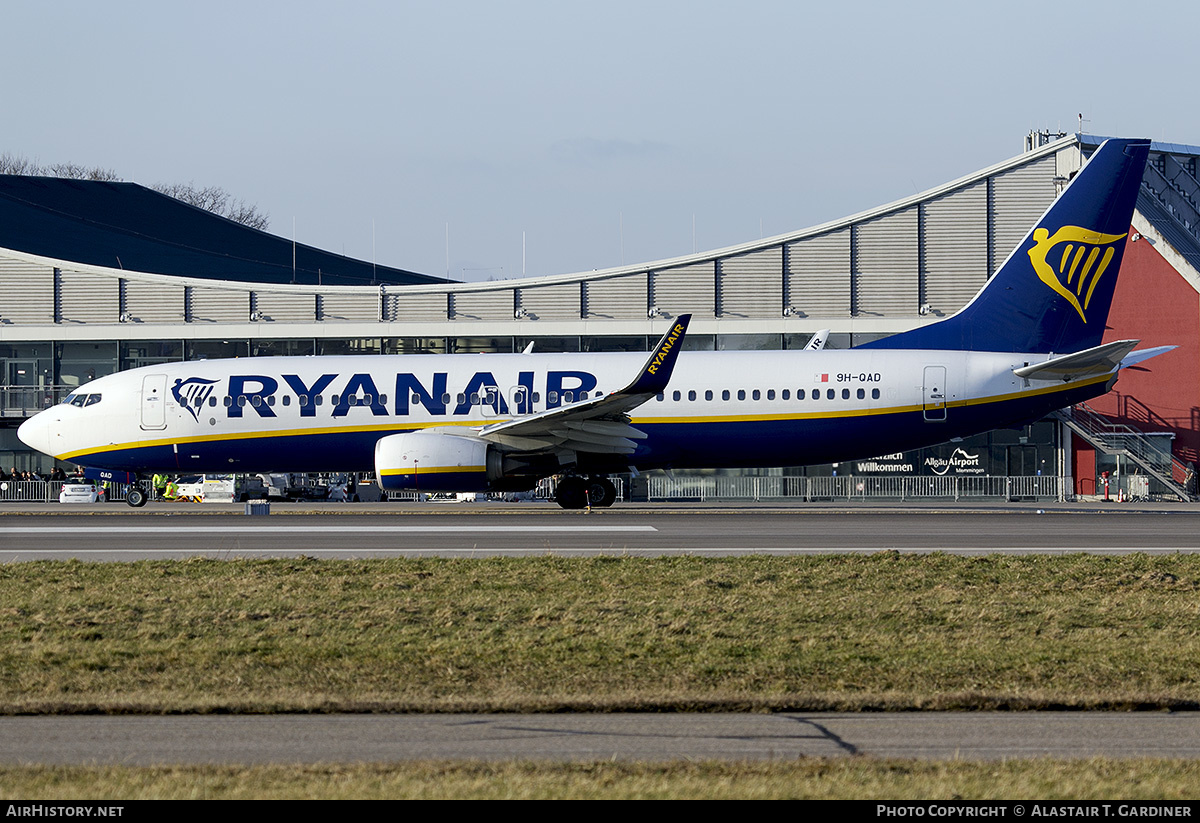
(579, 492)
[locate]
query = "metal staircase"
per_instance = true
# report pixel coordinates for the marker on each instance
(1119, 439)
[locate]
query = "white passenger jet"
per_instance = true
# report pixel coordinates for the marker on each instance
(1027, 344)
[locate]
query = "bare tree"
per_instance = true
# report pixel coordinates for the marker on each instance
(218, 201)
(13, 164)
(210, 198)
(74, 171)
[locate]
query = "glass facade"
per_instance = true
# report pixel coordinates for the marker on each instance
(300, 347)
(216, 349)
(137, 353)
(79, 363)
(349, 345)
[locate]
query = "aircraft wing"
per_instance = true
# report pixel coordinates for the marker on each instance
(602, 423)
(1087, 363)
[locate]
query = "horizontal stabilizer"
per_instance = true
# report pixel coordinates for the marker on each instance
(1087, 363)
(1133, 358)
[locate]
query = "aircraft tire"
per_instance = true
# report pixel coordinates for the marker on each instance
(601, 492)
(571, 493)
(135, 497)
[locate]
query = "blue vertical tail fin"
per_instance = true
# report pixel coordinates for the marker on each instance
(1053, 292)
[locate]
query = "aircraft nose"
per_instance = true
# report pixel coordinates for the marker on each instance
(38, 432)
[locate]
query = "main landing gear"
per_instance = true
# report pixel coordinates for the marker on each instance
(579, 492)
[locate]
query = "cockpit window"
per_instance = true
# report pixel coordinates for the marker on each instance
(82, 400)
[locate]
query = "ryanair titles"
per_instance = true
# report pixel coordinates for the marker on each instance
(335, 394)
(665, 349)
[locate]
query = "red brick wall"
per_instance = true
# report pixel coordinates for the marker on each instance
(1155, 304)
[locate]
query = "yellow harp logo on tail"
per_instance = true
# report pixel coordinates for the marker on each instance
(1067, 262)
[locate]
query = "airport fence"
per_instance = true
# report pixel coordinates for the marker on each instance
(858, 488)
(771, 488)
(46, 491)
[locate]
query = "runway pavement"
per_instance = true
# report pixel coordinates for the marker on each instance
(112, 534)
(143, 741)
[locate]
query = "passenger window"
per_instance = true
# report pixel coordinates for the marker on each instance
(537, 397)
(445, 398)
(303, 401)
(287, 400)
(320, 398)
(242, 400)
(416, 399)
(845, 394)
(708, 395)
(770, 394)
(862, 394)
(725, 394)
(474, 399)
(383, 399)
(829, 394)
(552, 397)
(786, 394)
(256, 400)
(691, 397)
(741, 394)
(659, 397)
(817, 394)
(270, 400)
(676, 396)
(757, 394)
(568, 397)
(874, 394)
(799, 394)
(227, 401)
(212, 401)
(367, 399)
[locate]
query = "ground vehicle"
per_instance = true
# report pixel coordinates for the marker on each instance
(79, 491)
(188, 489)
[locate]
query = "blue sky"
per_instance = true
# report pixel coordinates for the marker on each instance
(601, 132)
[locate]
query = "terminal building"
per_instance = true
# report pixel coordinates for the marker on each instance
(97, 277)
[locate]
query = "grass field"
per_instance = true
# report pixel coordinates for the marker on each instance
(846, 778)
(841, 632)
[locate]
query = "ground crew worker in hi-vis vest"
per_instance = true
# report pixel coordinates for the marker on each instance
(160, 486)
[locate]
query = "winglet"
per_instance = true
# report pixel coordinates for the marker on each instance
(656, 372)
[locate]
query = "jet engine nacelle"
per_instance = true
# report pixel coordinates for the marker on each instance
(436, 462)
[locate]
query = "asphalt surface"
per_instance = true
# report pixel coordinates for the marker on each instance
(111, 533)
(144, 741)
